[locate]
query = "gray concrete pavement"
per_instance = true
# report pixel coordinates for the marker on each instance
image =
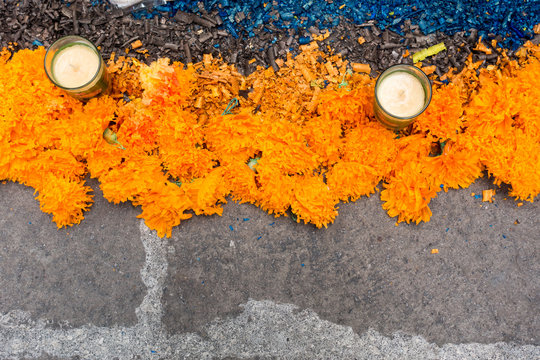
(247, 285)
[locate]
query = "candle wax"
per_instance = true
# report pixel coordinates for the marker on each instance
(75, 66)
(401, 94)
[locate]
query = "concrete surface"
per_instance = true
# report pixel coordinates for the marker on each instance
(247, 285)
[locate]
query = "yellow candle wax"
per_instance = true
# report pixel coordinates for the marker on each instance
(401, 94)
(75, 66)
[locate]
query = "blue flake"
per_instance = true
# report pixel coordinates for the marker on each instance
(231, 227)
(304, 40)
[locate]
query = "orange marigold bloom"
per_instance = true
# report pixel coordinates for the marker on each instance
(164, 206)
(353, 108)
(349, 180)
(408, 193)
(371, 145)
(134, 176)
(324, 137)
(443, 117)
(458, 166)
(234, 137)
(240, 179)
(65, 199)
(206, 193)
(312, 201)
(276, 188)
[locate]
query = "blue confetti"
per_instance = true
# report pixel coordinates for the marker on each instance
(447, 229)
(304, 40)
(37, 43)
(231, 227)
(504, 236)
(442, 186)
(198, 259)
(245, 219)
(272, 224)
(259, 238)
(302, 265)
(29, 223)
(513, 20)
(153, 351)
(202, 282)
(478, 196)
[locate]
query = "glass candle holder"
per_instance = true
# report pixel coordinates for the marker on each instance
(75, 65)
(402, 93)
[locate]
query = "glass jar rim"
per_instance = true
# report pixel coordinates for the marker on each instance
(416, 72)
(76, 39)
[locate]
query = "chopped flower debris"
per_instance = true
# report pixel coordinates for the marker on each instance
(316, 142)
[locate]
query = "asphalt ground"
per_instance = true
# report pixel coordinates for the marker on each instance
(248, 285)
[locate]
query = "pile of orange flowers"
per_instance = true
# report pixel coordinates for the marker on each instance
(299, 141)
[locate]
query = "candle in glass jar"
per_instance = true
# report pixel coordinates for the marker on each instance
(402, 92)
(75, 66)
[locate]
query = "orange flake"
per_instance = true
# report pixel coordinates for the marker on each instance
(306, 73)
(434, 251)
(429, 69)
(136, 44)
(252, 61)
(331, 70)
(361, 68)
(199, 102)
(406, 53)
(361, 40)
(322, 36)
(482, 47)
(309, 47)
(487, 195)
(342, 6)
(520, 204)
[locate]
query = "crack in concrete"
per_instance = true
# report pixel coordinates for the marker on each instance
(264, 329)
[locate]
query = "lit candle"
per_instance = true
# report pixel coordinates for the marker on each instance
(402, 92)
(75, 65)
